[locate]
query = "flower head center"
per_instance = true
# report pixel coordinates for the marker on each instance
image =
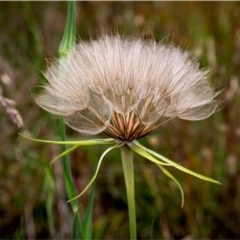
(126, 127)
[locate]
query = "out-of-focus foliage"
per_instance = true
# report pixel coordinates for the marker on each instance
(32, 198)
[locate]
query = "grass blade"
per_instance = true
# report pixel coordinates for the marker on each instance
(67, 43)
(87, 223)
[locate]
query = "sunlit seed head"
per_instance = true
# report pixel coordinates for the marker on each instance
(122, 87)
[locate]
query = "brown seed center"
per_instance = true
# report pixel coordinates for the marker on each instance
(126, 127)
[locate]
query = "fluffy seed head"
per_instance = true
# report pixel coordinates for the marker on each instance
(122, 87)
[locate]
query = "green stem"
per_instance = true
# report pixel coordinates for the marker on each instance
(70, 189)
(127, 161)
(65, 47)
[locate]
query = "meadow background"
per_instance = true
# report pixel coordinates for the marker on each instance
(32, 195)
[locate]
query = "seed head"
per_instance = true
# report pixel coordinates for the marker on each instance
(123, 87)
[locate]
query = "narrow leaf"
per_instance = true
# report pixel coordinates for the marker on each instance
(64, 153)
(167, 173)
(159, 164)
(76, 228)
(80, 143)
(69, 35)
(138, 145)
(87, 223)
(96, 172)
(145, 154)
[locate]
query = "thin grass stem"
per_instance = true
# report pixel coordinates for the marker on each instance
(68, 41)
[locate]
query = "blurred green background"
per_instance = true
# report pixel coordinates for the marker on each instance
(32, 195)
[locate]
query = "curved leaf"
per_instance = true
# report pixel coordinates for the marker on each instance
(80, 143)
(96, 172)
(136, 146)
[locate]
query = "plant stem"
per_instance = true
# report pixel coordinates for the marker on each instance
(70, 189)
(68, 41)
(127, 161)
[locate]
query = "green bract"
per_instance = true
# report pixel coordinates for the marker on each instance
(152, 156)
